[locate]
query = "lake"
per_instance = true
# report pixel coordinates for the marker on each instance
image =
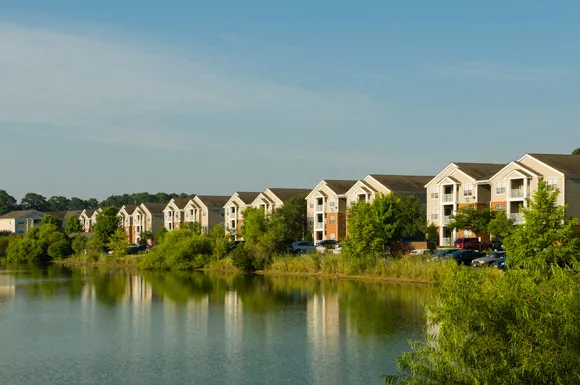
(102, 326)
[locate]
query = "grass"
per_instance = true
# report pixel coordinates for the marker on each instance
(92, 259)
(224, 265)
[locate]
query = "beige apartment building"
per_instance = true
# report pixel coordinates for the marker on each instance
(147, 217)
(274, 198)
(207, 210)
(234, 209)
(174, 213)
(458, 185)
(20, 221)
(403, 185)
(327, 208)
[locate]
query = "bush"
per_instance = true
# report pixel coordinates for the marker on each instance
(180, 250)
(79, 244)
(39, 244)
(242, 258)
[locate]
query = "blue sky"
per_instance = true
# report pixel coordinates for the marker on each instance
(107, 97)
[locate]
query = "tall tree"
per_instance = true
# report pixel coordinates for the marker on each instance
(501, 225)
(472, 218)
(58, 203)
(576, 151)
(91, 204)
(77, 204)
(107, 223)
(73, 225)
(7, 203)
(51, 219)
(33, 201)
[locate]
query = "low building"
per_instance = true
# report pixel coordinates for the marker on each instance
(234, 209)
(207, 210)
(174, 213)
(274, 198)
(147, 217)
(88, 219)
(126, 215)
(19, 222)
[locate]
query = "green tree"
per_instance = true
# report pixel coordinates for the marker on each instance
(51, 219)
(89, 204)
(501, 225)
(40, 243)
(58, 203)
(145, 237)
(73, 225)
(293, 215)
(118, 243)
(220, 242)
(195, 227)
(161, 233)
(33, 201)
(472, 218)
(546, 237)
(79, 244)
(79, 204)
(7, 203)
(107, 222)
(411, 215)
(432, 233)
(576, 151)
(254, 226)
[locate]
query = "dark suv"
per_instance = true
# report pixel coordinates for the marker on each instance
(471, 244)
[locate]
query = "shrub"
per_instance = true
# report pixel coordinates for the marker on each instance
(79, 244)
(181, 250)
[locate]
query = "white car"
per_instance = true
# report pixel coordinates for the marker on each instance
(420, 252)
(489, 260)
(337, 249)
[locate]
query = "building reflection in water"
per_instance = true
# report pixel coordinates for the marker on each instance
(323, 323)
(7, 290)
(233, 328)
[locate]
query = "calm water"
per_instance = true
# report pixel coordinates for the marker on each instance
(100, 326)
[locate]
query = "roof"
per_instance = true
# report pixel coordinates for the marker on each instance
(285, 194)
(155, 208)
(339, 186)
(129, 208)
(64, 215)
(480, 171)
(403, 182)
(247, 197)
(566, 164)
(181, 202)
(89, 213)
(18, 214)
(214, 200)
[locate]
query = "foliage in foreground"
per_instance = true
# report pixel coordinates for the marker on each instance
(521, 327)
(39, 244)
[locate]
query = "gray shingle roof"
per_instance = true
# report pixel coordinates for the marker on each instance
(214, 200)
(480, 171)
(181, 202)
(129, 208)
(17, 214)
(410, 183)
(155, 208)
(567, 164)
(339, 186)
(248, 197)
(288, 193)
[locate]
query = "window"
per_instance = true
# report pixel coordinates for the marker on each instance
(552, 182)
(312, 204)
(434, 214)
(331, 235)
(222, 214)
(499, 207)
(332, 219)
(500, 187)
(434, 192)
(20, 222)
(204, 213)
(332, 203)
(467, 190)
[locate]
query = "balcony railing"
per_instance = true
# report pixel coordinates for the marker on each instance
(434, 217)
(319, 207)
(445, 241)
(319, 226)
(517, 218)
(516, 193)
(447, 197)
(446, 220)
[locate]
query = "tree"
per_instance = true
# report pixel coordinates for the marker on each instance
(254, 226)
(40, 243)
(501, 225)
(546, 237)
(107, 222)
(78, 204)
(79, 244)
(89, 204)
(7, 203)
(33, 201)
(432, 233)
(118, 243)
(161, 233)
(576, 151)
(73, 225)
(472, 218)
(220, 242)
(58, 203)
(293, 215)
(146, 236)
(51, 219)
(411, 215)
(363, 235)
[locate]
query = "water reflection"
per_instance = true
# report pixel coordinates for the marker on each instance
(302, 329)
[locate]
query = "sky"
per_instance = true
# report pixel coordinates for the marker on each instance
(108, 97)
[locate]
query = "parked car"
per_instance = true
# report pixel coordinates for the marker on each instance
(234, 244)
(420, 252)
(500, 263)
(472, 244)
(301, 247)
(442, 254)
(465, 257)
(327, 244)
(497, 245)
(488, 260)
(337, 249)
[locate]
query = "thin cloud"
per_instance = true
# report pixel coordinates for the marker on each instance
(109, 90)
(500, 72)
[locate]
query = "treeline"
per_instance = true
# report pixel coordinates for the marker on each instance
(34, 201)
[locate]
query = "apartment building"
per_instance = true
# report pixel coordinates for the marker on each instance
(126, 215)
(327, 207)
(403, 185)
(207, 210)
(64, 216)
(274, 198)
(88, 219)
(174, 213)
(20, 221)
(147, 217)
(234, 208)
(458, 185)
(518, 180)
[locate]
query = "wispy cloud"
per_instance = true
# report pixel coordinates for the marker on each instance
(105, 89)
(500, 72)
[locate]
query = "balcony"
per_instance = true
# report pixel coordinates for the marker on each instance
(320, 208)
(319, 226)
(434, 217)
(448, 198)
(516, 193)
(446, 220)
(446, 242)
(517, 218)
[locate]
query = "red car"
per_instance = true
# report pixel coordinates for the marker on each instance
(471, 244)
